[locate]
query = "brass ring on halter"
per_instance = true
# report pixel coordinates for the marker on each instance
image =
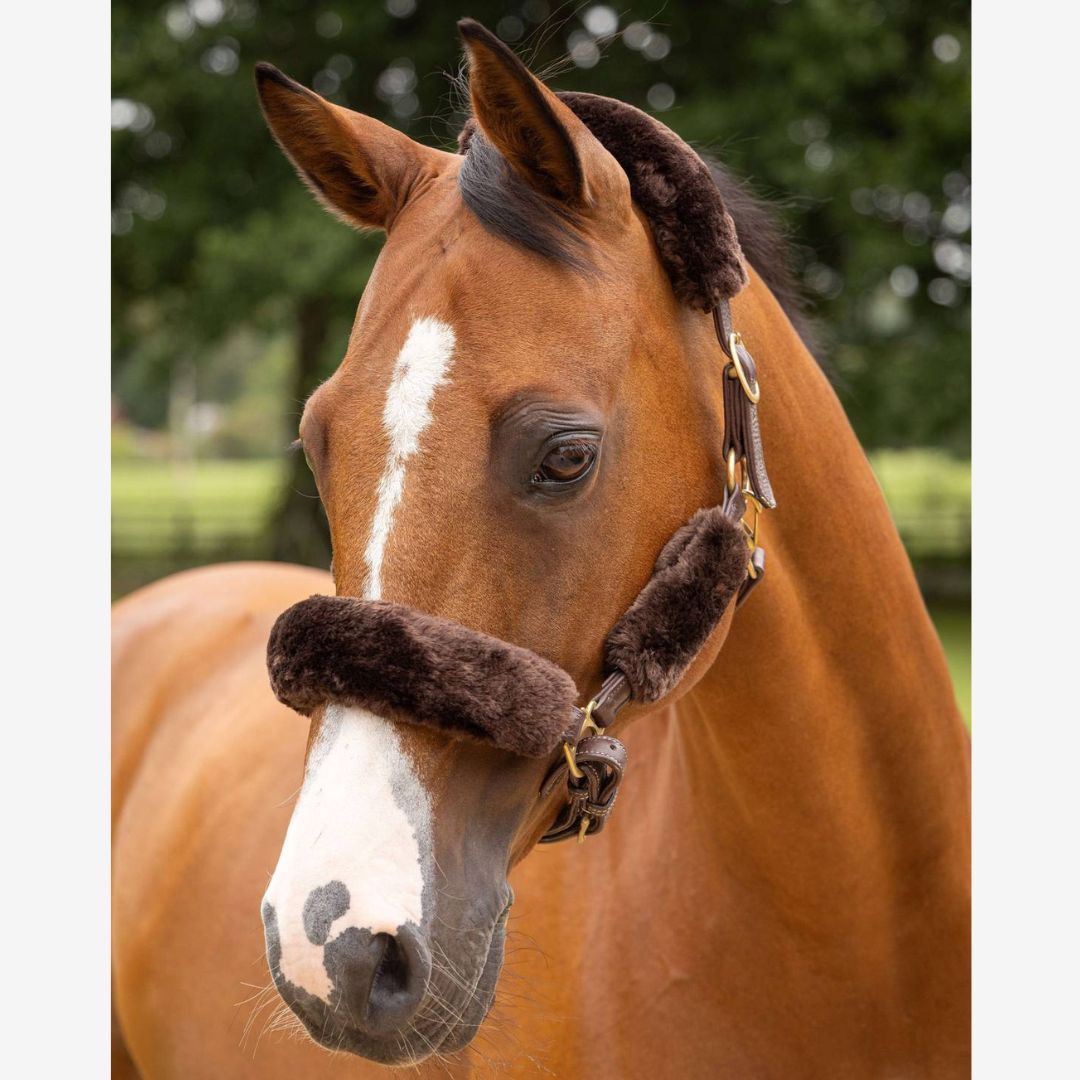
(731, 484)
(753, 393)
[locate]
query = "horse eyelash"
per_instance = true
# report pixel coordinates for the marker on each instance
(576, 444)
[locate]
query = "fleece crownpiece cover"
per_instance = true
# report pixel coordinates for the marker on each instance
(406, 665)
(694, 232)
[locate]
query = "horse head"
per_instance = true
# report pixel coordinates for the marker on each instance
(528, 408)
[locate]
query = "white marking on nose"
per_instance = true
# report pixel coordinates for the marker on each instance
(362, 818)
(421, 366)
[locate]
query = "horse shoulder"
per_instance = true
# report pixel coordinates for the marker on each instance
(203, 754)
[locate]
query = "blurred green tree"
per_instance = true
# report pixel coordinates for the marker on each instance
(852, 114)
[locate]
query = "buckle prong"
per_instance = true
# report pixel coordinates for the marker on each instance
(588, 725)
(570, 752)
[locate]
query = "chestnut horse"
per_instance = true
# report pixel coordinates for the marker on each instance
(525, 413)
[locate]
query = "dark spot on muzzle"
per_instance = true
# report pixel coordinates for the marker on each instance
(378, 980)
(323, 906)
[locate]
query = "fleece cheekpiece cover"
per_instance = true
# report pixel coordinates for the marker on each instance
(406, 665)
(696, 577)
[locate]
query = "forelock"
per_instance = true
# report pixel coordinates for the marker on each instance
(509, 208)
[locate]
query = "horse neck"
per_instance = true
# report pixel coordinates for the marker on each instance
(821, 761)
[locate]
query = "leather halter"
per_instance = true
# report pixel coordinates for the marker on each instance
(593, 762)
(422, 669)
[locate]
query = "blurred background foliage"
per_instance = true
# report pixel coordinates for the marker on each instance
(233, 292)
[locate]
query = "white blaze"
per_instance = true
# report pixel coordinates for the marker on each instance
(421, 366)
(362, 818)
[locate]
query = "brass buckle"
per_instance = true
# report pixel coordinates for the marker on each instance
(588, 724)
(570, 752)
(750, 531)
(755, 505)
(752, 392)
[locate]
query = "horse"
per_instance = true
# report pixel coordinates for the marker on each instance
(529, 406)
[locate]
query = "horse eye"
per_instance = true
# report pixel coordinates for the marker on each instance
(566, 463)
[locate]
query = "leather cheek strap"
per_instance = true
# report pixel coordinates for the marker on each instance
(742, 432)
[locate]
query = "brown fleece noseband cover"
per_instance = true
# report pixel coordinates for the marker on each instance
(410, 666)
(404, 664)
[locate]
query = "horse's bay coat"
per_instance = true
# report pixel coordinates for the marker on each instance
(783, 891)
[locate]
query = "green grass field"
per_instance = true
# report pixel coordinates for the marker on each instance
(156, 508)
(165, 519)
(954, 628)
(929, 494)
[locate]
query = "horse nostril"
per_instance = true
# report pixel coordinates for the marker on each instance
(380, 979)
(401, 977)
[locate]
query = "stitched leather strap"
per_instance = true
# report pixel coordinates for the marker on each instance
(742, 433)
(614, 694)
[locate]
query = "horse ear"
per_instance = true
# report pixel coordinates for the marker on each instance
(544, 142)
(358, 168)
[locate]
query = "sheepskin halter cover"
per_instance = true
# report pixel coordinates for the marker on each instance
(406, 665)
